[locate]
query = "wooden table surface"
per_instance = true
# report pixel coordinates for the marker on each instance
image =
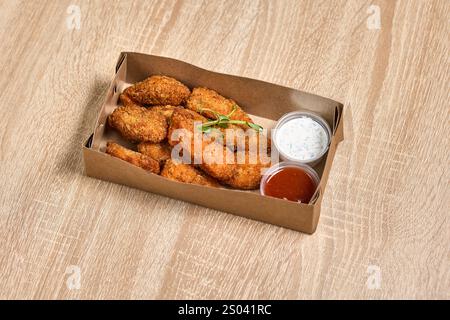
(384, 230)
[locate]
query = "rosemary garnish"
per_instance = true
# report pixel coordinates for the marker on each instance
(223, 120)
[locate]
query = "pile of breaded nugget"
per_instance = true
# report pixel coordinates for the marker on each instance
(153, 108)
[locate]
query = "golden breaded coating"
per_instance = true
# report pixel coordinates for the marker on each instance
(238, 173)
(216, 160)
(183, 119)
(245, 139)
(166, 111)
(187, 173)
(127, 101)
(158, 90)
(138, 124)
(158, 151)
(210, 99)
(207, 98)
(133, 157)
(247, 175)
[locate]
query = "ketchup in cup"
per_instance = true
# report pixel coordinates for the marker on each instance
(290, 181)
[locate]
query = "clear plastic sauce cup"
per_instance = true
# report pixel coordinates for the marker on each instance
(290, 181)
(302, 137)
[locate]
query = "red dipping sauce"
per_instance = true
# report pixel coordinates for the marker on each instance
(290, 181)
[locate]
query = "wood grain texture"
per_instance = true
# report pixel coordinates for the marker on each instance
(386, 205)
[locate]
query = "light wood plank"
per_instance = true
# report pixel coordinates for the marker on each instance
(386, 205)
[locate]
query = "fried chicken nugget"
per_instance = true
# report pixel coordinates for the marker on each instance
(127, 101)
(158, 151)
(247, 175)
(214, 161)
(207, 98)
(213, 156)
(133, 157)
(183, 119)
(166, 111)
(242, 174)
(245, 139)
(240, 140)
(159, 90)
(187, 173)
(138, 124)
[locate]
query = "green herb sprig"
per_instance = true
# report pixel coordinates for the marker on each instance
(224, 120)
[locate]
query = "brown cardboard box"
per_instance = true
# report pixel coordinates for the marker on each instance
(264, 101)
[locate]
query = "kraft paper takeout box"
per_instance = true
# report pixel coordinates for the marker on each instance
(264, 101)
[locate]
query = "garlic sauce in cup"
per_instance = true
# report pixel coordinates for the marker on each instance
(302, 137)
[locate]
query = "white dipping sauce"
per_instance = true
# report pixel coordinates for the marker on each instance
(302, 138)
